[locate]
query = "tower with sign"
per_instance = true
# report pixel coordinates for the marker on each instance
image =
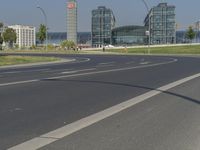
(72, 21)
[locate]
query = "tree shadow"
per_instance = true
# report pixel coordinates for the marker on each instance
(196, 101)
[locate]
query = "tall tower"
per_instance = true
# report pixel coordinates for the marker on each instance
(72, 21)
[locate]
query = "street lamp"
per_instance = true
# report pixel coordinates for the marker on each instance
(45, 17)
(148, 33)
(197, 30)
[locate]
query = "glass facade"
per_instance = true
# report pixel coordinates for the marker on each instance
(103, 21)
(162, 24)
(129, 35)
(58, 37)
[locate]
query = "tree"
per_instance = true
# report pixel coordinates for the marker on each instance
(190, 34)
(41, 35)
(67, 44)
(10, 36)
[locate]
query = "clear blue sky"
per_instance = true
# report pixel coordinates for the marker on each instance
(127, 12)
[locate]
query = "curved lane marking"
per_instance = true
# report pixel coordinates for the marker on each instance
(89, 73)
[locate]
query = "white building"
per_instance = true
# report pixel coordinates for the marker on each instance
(26, 36)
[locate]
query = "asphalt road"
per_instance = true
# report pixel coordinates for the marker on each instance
(37, 100)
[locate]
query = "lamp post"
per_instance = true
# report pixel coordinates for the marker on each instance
(148, 33)
(45, 17)
(197, 30)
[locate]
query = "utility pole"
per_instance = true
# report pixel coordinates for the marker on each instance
(148, 33)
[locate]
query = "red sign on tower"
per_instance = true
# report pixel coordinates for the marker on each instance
(71, 5)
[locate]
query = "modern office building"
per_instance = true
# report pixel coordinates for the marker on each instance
(129, 35)
(72, 21)
(26, 36)
(161, 20)
(103, 21)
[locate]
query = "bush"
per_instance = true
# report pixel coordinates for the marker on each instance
(33, 47)
(67, 45)
(50, 47)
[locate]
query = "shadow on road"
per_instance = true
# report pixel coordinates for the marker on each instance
(130, 85)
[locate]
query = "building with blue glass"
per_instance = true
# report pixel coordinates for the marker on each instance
(161, 20)
(129, 35)
(103, 21)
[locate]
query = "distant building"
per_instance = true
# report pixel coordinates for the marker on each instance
(129, 35)
(103, 21)
(58, 37)
(26, 36)
(162, 24)
(72, 21)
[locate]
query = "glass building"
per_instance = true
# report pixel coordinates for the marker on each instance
(58, 37)
(129, 35)
(162, 24)
(72, 21)
(103, 21)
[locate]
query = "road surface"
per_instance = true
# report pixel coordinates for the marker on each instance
(35, 101)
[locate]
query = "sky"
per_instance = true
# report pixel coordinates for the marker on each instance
(127, 12)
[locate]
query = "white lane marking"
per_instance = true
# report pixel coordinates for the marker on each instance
(90, 73)
(144, 63)
(81, 61)
(11, 72)
(113, 70)
(19, 82)
(67, 130)
(68, 72)
(15, 109)
(75, 71)
(106, 63)
(27, 71)
(58, 70)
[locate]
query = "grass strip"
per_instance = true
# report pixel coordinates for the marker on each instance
(189, 49)
(15, 60)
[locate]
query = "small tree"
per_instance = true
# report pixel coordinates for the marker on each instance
(41, 35)
(64, 44)
(190, 34)
(67, 44)
(10, 36)
(72, 45)
(50, 47)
